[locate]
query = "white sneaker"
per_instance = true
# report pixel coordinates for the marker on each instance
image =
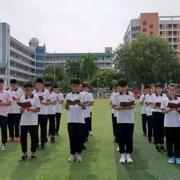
(3, 147)
(90, 133)
(128, 158)
(71, 159)
(118, 149)
(79, 158)
(122, 159)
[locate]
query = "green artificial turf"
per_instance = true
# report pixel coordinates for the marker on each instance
(100, 161)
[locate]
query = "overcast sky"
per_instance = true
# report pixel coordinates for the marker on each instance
(77, 25)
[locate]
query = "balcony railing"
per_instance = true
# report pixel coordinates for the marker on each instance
(22, 71)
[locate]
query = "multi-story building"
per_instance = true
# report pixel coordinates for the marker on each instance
(22, 62)
(167, 27)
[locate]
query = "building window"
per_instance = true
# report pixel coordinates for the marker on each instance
(144, 30)
(151, 32)
(151, 26)
(144, 23)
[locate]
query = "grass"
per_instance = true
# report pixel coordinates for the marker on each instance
(100, 161)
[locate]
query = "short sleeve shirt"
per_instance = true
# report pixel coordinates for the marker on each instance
(58, 106)
(148, 107)
(51, 107)
(143, 111)
(92, 100)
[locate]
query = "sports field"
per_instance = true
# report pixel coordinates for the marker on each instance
(100, 160)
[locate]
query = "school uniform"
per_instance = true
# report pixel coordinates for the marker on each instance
(149, 116)
(172, 128)
(143, 114)
(158, 119)
(42, 115)
(58, 110)
(125, 123)
(29, 123)
(51, 113)
(76, 123)
(5, 96)
(114, 118)
(92, 100)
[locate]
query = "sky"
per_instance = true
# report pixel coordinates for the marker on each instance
(73, 26)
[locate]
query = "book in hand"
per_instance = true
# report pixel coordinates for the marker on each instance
(14, 98)
(127, 104)
(158, 104)
(41, 98)
(173, 105)
(178, 95)
(73, 103)
(24, 104)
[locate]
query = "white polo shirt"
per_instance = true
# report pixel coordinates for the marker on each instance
(14, 108)
(171, 119)
(143, 111)
(30, 118)
(58, 106)
(46, 96)
(51, 107)
(155, 99)
(76, 113)
(88, 108)
(148, 108)
(124, 116)
(85, 94)
(92, 100)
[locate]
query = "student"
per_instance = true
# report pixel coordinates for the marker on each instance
(14, 114)
(42, 115)
(125, 121)
(92, 98)
(58, 108)
(172, 125)
(143, 111)
(51, 111)
(149, 112)
(5, 101)
(76, 121)
(158, 118)
(29, 121)
(114, 118)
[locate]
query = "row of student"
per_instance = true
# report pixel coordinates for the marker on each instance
(162, 119)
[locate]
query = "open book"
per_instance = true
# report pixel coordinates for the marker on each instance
(41, 98)
(24, 104)
(73, 103)
(173, 105)
(127, 104)
(158, 104)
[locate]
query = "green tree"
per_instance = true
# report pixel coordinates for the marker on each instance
(105, 79)
(148, 59)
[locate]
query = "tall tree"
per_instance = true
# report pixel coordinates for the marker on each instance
(148, 59)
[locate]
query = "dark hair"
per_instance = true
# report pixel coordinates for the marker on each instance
(48, 84)
(40, 80)
(116, 85)
(13, 81)
(2, 81)
(123, 82)
(55, 86)
(172, 85)
(177, 85)
(146, 87)
(152, 85)
(28, 84)
(85, 85)
(159, 85)
(76, 81)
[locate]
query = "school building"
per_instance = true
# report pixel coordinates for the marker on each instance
(24, 62)
(168, 27)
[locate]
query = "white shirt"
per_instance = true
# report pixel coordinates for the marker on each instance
(155, 99)
(92, 100)
(110, 100)
(30, 118)
(58, 106)
(124, 116)
(46, 96)
(148, 108)
(51, 107)
(76, 113)
(85, 94)
(172, 119)
(14, 108)
(143, 111)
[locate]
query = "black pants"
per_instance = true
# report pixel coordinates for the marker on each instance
(125, 137)
(42, 122)
(13, 124)
(144, 123)
(158, 120)
(58, 119)
(3, 125)
(51, 118)
(89, 124)
(114, 124)
(76, 137)
(91, 121)
(150, 126)
(173, 141)
(33, 134)
(86, 131)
